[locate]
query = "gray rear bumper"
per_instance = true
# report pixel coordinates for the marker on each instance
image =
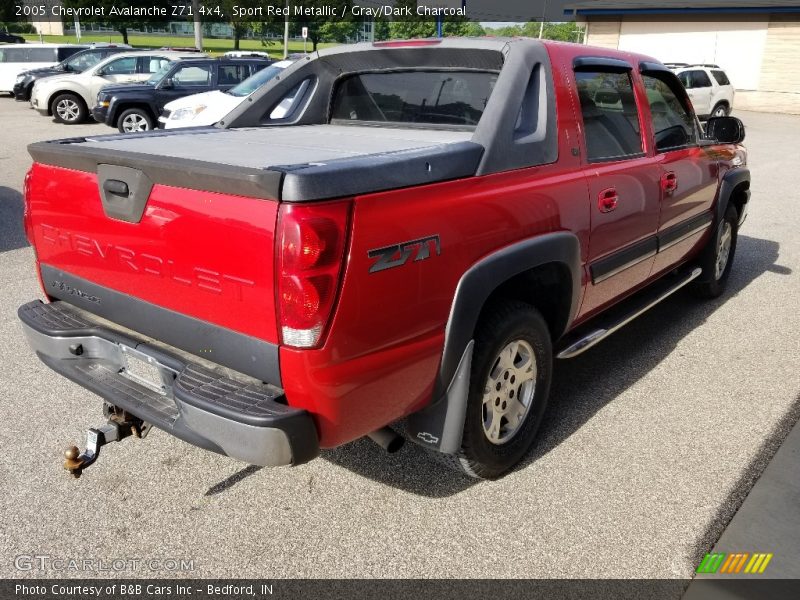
(203, 406)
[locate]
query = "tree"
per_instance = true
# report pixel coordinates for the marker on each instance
(474, 29)
(121, 26)
(423, 27)
(317, 32)
(338, 31)
(240, 24)
(563, 32)
(381, 29)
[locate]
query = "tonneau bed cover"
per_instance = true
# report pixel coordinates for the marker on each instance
(294, 163)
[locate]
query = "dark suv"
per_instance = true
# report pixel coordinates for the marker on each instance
(77, 63)
(135, 107)
(10, 38)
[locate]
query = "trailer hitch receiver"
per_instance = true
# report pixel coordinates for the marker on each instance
(119, 426)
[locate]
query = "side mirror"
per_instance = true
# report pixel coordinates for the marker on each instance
(725, 130)
(167, 84)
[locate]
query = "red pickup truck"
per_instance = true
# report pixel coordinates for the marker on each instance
(404, 231)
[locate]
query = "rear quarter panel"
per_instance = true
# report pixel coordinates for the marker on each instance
(383, 350)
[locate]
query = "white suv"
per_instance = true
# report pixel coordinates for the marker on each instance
(708, 86)
(68, 97)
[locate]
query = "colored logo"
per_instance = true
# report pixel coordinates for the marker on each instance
(735, 562)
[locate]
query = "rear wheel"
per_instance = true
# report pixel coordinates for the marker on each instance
(716, 259)
(133, 120)
(510, 382)
(69, 109)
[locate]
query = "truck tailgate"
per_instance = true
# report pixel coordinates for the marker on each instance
(195, 270)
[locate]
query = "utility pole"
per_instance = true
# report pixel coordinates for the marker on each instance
(541, 25)
(286, 32)
(198, 29)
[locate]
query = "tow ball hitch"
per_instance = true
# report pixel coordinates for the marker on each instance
(119, 426)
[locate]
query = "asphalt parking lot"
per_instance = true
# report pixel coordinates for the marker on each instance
(651, 442)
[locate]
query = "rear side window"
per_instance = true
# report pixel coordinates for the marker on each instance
(694, 79)
(721, 78)
(121, 66)
(426, 98)
(42, 55)
(154, 64)
(610, 118)
(12, 55)
(233, 74)
(26, 55)
(192, 75)
(673, 123)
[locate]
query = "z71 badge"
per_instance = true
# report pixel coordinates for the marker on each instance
(397, 255)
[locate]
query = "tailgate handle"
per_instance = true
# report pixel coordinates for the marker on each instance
(116, 187)
(124, 192)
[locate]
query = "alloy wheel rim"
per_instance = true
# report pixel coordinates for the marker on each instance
(67, 110)
(509, 392)
(133, 123)
(723, 248)
(720, 112)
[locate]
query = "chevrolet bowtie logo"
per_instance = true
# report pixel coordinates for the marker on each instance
(427, 437)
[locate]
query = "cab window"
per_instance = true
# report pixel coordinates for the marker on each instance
(610, 118)
(673, 121)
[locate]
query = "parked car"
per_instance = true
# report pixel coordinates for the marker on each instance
(77, 63)
(418, 243)
(136, 108)
(207, 108)
(246, 54)
(68, 97)
(9, 38)
(16, 58)
(709, 88)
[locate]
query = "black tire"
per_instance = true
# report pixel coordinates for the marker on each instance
(508, 323)
(712, 282)
(722, 109)
(131, 115)
(69, 109)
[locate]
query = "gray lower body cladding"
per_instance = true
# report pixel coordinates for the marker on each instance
(200, 405)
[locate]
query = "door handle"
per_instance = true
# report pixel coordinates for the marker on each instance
(607, 200)
(116, 187)
(669, 182)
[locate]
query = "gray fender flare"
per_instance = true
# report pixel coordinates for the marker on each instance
(440, 425)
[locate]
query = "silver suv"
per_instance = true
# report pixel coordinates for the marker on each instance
(708, 86)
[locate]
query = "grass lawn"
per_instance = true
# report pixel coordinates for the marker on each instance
(212, 46)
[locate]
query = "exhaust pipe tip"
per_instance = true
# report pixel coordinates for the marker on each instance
(387, 439)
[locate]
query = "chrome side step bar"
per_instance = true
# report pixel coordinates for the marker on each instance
(598, 334)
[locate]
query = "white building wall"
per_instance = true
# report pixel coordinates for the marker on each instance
(737, 47)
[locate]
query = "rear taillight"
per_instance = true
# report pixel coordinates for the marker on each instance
(310, 253)
(26, 210)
